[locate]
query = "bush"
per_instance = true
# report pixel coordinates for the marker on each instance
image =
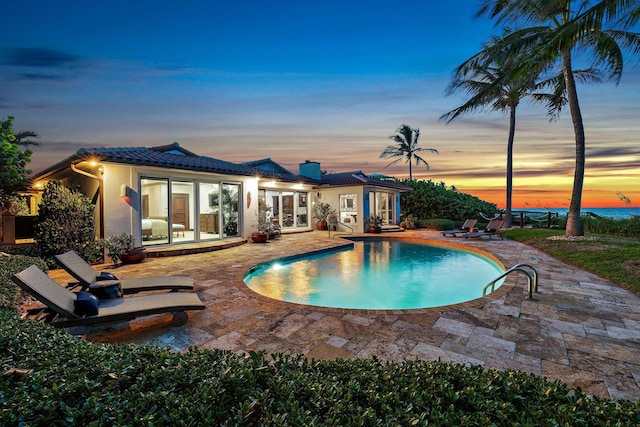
(10, 266)
(66, 222)
(429, 200)
(628, 227)
(436, 224)
(65, 380)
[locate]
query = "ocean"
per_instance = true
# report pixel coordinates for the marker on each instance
(614, 213)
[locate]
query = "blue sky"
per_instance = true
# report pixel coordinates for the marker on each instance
(327, 81)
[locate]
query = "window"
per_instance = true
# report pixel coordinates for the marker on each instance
(349, 208)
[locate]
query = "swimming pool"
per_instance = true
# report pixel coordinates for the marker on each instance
(377, 274)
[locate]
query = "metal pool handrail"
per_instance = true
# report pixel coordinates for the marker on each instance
(340, 223)
(532, 278)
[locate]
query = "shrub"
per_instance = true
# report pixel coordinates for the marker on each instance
(430, 200)
(10, 266)
(66, 222)
(436, 224)
(65, 380)
(627, 227)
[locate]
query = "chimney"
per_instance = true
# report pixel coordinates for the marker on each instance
(310, 169)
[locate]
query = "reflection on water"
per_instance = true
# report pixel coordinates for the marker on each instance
(378, 274)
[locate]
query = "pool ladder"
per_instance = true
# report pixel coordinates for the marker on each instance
(528, 270)
(335, 225)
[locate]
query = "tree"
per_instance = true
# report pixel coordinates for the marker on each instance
(555, 32)
(406, 147)
(491, 85)
(66, 221)
(27, 137)
(13, 161)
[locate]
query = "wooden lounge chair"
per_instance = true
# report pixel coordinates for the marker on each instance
(490, 230)
(87, 275)
(466, 227)
(60, 302)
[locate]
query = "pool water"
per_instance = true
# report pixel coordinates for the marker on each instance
(378, 275)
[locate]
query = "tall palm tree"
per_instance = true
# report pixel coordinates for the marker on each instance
(555, 31)
(406, 147)
(492, 85)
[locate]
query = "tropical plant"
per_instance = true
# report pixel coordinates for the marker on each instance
(488, 87)
(13, 161)
(409, 223)
(230, 209)
(27, 137)
(264, 225)
(375, 221)
(406, 147)
(118, 245)
(321, 211)
(66, 221)
(554, 33)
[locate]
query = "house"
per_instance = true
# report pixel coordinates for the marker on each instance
(168, 195)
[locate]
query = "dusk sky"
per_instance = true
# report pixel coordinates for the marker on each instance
(326, 81)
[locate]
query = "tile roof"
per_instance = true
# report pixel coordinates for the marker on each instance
(175, 157)
(359, 178)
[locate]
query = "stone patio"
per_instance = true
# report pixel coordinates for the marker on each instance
(580, 328)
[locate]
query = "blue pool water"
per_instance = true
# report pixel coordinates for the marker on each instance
(377, 274)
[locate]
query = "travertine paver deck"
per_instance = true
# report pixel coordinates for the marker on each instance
(581, 328)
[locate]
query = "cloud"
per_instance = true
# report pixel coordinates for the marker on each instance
(41, 58)
(40, 64)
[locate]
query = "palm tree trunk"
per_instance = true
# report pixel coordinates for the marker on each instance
(512, 131)
(410, 172)
(574, 222)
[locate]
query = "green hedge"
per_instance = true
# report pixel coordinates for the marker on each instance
(437, 224)
(51, 378)
(10, 266)
(64, 380)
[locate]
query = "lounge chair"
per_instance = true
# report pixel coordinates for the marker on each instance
(60, 302)
(490, 230)
(87, 275)
(466, 227)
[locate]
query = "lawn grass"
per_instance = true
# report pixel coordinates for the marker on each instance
(613, 258)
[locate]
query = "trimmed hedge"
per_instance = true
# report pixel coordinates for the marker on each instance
(10, 266)
(51, 378)
(64, 380)
(436, 224)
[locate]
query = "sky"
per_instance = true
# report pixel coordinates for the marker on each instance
(325, 81)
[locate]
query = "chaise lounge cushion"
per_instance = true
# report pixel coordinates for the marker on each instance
(86, 304)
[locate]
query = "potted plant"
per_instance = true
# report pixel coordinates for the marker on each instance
(122, 248)
(262, 235)
(320, 213)
(375, 224)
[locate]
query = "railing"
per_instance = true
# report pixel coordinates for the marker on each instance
(335, 224)
(528, 270)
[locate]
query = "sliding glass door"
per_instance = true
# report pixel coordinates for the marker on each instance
(184, 211)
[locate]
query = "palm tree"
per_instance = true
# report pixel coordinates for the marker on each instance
(491, 85)
(554, 32)
(406, 146)
(27, 137)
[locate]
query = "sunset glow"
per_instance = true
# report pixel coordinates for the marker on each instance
(295, 82)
